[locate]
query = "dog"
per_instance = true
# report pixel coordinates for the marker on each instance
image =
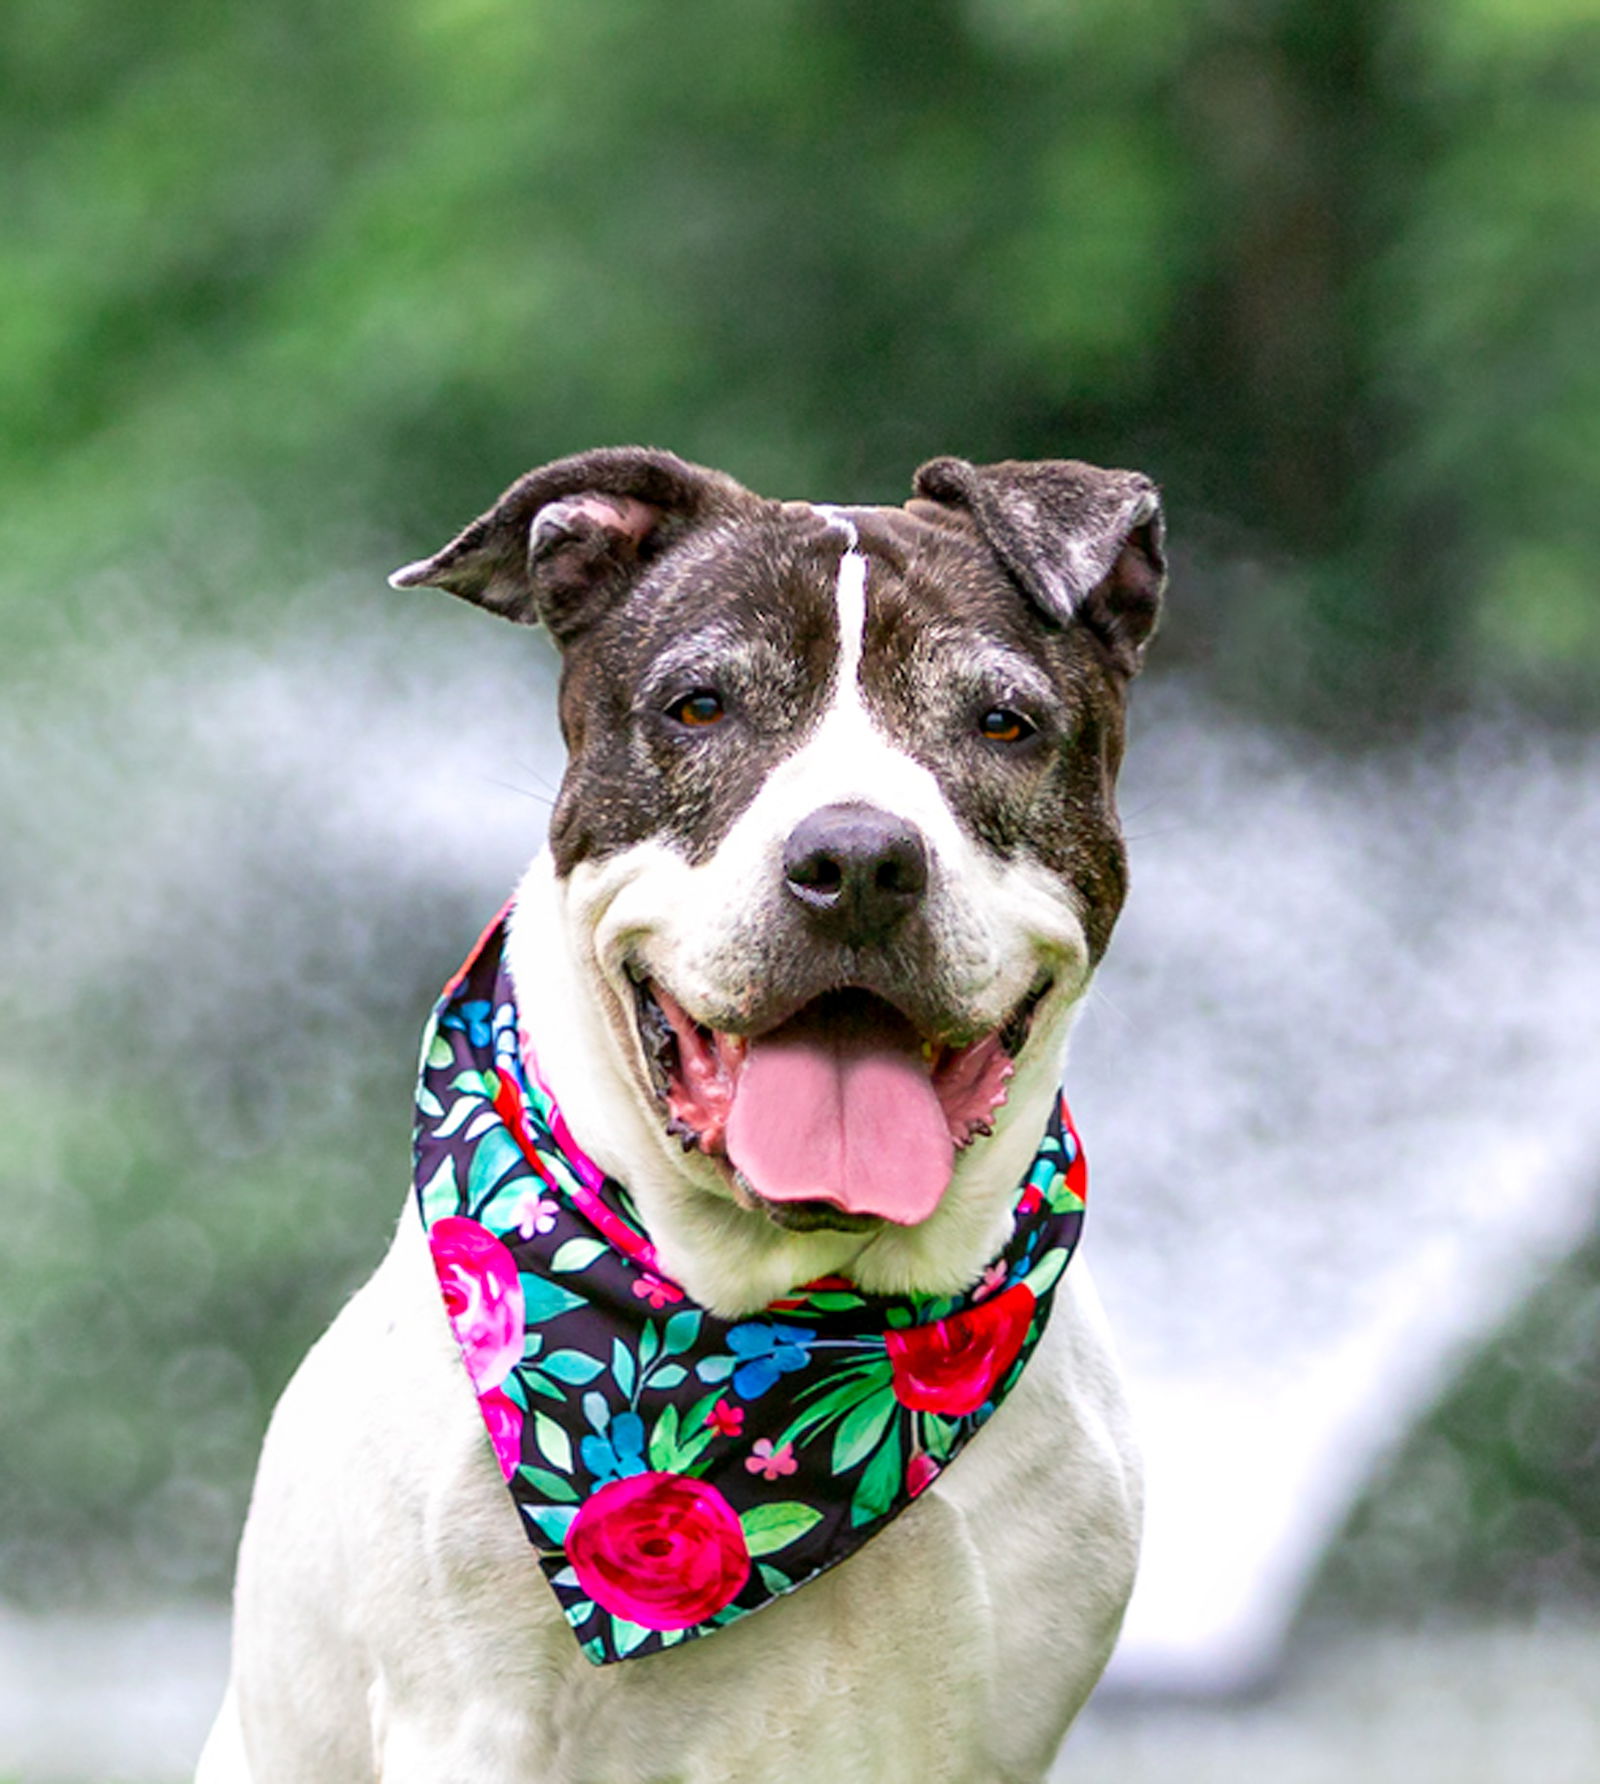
(833, 860)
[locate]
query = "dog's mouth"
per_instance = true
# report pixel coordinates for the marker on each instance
(843, 1115)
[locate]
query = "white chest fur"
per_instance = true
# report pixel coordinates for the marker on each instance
(393, 1623)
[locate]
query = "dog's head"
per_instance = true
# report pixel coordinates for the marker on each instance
(836, 850)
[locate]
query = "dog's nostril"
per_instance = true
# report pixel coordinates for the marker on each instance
(858, 870)
(817, 873)
(903, 873)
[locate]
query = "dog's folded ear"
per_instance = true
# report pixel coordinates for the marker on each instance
(1083, 544)
(567, 539)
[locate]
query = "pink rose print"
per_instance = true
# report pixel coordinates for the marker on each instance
(768, 1462)
(502, 1418)
(482, 1295)
(726, 1420)
(658, 1293)
(921, 1471)
(662, 1550)
(952, 1365)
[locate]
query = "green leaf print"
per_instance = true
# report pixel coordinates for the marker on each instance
(664, 1441)
(938, 1436)
(861, 1429)
(875, 1493)
(574, 1366)
(543, 1299)
(548, 1485)
(553, 1441)
(554, 1520)
(622, 1366)
(861, 1384)
(774, 1579)
(682, 1330)
(440, 1196)
(497, 1155)
(768, 1528)
(1047, 1272)
(677, 1443)
(576, 1255)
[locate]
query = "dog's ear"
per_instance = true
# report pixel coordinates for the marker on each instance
(564, 541)
(1083, 544)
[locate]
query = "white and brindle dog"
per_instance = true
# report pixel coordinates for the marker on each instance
(814, 751)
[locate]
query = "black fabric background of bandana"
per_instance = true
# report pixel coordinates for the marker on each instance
(610, 1338)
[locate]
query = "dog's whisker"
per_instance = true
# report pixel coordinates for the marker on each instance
(1179, 827)
(536, 774)
(505, 786)
(1100, 999)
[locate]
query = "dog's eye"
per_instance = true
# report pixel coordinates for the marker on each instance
(702, 707)
(1000, 724)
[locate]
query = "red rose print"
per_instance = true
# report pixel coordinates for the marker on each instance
(661, 1550)
(503, 1419)
(953, 1365)
(482, 1295)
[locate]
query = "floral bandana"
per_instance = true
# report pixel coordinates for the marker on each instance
(675, 1470)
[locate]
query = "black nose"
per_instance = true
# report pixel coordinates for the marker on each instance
(857, 870)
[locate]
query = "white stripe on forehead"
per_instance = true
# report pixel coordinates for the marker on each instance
(850, 598)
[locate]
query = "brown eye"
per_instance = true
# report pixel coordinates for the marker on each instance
(1001, 725)
(702, 707)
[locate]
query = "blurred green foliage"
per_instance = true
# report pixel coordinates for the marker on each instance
(153, 1309)
(1493, 1502)
(290, 291)
(286, 284)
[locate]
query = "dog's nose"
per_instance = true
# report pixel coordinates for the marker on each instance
(857, 870)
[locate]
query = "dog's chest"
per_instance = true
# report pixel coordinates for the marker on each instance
(947, 1648)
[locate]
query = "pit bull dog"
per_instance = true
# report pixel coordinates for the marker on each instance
(737, 1233)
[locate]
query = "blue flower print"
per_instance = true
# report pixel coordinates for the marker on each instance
(619, 1452)
(474, 1018)
(765, 1352)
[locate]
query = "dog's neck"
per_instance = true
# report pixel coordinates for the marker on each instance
(734, 1260)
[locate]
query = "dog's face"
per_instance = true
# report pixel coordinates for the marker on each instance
(836, 848)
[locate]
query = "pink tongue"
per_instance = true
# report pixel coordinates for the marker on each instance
(837, 1106)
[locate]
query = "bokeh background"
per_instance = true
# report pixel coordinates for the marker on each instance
(290, 291)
